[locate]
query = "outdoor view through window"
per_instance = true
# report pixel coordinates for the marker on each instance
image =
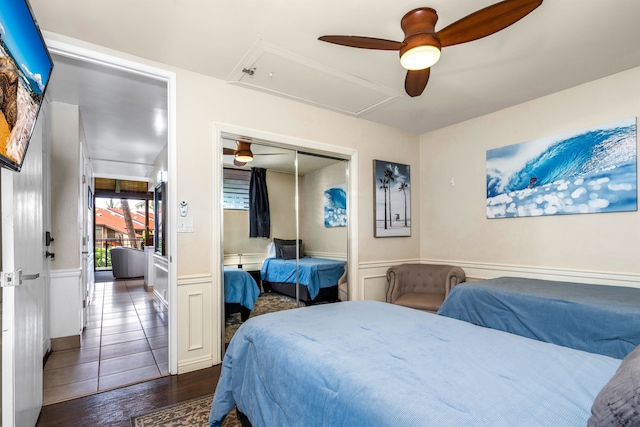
(121, 222)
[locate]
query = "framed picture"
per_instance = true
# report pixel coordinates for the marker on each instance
(591, 170)
(392, 210)
(159, 240)
(335, 206)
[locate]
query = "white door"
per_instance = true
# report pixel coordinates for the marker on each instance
(23, 304)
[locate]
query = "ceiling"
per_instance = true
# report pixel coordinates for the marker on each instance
(561, 44)
(124, 115)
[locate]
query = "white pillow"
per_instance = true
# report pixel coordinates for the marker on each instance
(271, 250)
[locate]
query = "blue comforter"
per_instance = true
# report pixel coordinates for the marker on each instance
(595, 318)
(315, 273)
(366, 363)
(239, 287)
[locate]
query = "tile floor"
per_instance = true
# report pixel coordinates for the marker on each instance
(125, 342)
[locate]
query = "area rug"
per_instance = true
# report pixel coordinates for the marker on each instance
(267, 302)
(193, 413)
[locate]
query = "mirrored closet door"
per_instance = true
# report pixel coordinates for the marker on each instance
(296, 254)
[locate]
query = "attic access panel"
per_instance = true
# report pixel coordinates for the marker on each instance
(274, 70)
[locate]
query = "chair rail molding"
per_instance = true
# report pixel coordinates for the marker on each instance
(480, 271)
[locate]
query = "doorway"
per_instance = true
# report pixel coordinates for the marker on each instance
(161, 122)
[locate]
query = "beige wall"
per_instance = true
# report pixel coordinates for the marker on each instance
(242, 107)
(453, 219)
(316, 237)
(65, 161)
(203, 102)
(282, 190)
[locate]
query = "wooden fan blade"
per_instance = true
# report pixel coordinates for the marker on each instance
(486, 21)
(363, 42)
(237, 163)
(416, 81)
(228, 151)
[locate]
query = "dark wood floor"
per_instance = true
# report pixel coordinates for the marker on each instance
(114, 408)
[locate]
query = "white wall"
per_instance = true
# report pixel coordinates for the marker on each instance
(454, 228)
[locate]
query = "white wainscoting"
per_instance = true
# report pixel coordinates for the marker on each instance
(373, 278)
(161, 279)
(327, 255)
(196, 340)
(65, 303)
(479, 271)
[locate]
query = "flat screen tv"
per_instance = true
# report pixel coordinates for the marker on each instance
(25, 68)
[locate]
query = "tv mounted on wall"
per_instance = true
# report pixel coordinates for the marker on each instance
(25, 68)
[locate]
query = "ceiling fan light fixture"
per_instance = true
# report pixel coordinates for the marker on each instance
(420, 57)
(244, 156)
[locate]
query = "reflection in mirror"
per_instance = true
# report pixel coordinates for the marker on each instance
(265, 274)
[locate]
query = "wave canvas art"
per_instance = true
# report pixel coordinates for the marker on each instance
(335, 206)
(589, 171)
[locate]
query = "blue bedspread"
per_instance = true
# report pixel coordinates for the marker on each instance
(367, 363)
(315, 273)
(595, 318)
(239, 287)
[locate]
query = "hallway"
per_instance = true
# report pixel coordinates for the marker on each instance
(125, 342)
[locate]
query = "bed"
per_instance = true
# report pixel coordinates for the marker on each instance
(240, 292)
(367, 363)
(318, 278)
(595, 318)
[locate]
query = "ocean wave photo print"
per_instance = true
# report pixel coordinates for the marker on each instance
(592, 170)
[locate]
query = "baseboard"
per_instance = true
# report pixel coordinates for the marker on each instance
(160, 300)
(195, 364)
(65, 343)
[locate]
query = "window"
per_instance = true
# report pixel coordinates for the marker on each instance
(235, 189)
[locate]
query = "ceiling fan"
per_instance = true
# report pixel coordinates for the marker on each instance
(243, 154)
(421, 46)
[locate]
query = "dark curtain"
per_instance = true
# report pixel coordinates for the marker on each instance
(259, 217)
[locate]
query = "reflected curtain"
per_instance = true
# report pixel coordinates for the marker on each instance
(259, 216)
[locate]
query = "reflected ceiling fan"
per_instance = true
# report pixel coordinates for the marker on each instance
(243, 154)
(421, 46)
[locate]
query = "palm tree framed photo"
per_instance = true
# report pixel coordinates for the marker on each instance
(392, 210)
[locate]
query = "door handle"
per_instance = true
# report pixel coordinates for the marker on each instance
(29, 276)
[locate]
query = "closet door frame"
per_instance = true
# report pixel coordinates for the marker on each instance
(286, 142)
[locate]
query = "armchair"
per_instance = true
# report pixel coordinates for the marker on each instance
(422, 286)
(127, 262)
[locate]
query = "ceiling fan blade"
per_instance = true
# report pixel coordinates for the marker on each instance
(228, 151)
(416, 81)
(486, 21)
(237, 163)
(363, 42)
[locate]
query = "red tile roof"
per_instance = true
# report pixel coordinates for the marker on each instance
(113, 218)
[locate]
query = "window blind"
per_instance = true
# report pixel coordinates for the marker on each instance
(235, 189)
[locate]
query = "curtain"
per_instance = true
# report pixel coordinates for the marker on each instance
(259, 217)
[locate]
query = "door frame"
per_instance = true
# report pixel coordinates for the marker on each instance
(217, 250)
(79, 53)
